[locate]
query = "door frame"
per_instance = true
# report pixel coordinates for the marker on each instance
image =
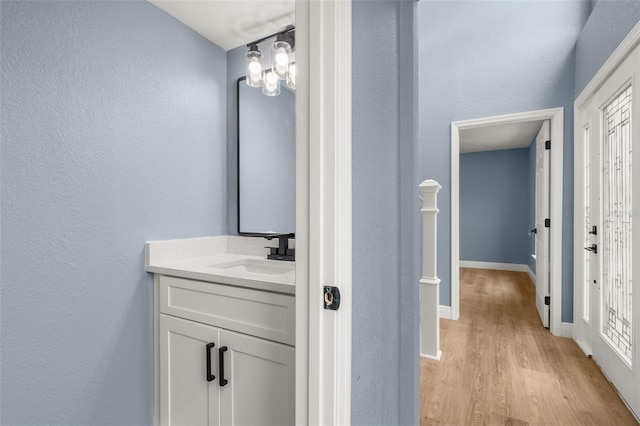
(556, 117)
(323, 211)
(619, 55)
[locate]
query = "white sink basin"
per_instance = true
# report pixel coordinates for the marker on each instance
(256, 266)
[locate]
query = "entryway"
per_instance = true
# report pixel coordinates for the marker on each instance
(607, 235)
(547, 230)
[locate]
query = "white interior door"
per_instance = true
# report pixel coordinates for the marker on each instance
(611, 265)
(542, 232)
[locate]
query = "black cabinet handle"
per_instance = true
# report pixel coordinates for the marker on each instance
(210, 377)
(592, 249)
(222, 350)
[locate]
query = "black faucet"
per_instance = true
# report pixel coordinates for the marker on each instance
(282, 252)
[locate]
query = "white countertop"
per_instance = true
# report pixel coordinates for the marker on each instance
(212, 259)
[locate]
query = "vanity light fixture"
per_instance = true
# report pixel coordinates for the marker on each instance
(280, 52)
(282, 66)
(255, 69)
(271, 85)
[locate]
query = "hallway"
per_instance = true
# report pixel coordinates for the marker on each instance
(500, 366)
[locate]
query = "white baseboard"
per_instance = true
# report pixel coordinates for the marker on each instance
(494, 265)
(532, 276)
(566, 329)
(445, 312)
(435, 358)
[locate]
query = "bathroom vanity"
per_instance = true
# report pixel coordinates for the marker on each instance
(224, 332)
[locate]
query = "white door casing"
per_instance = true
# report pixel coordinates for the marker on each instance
(608, 184)
(556, 119)
(542, 232)
(323, 211)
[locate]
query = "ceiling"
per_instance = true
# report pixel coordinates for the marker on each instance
(231, 23)
(499, 136)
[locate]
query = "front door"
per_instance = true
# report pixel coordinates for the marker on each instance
(611, 261)
(542, 231)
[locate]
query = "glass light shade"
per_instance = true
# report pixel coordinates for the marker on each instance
(254, 68)
(291, 76)
(271, 85)
(280, 53)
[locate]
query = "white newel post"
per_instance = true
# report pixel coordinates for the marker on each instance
(429, 283)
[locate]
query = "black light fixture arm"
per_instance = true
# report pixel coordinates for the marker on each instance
(288, 32)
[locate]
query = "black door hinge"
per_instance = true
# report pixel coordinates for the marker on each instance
(547, 145)
(547, 223)
(547, 300)
(331, 298)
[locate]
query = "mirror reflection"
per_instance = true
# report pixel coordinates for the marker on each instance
(266, 161)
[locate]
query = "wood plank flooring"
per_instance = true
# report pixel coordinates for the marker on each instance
(499, 365)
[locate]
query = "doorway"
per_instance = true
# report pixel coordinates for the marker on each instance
(555, 117)
(606, 239)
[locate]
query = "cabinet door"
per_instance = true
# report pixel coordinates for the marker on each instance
(261, 382)
(186, 396)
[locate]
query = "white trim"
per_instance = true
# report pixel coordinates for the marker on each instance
(588, 335)
(494, 265)
(556, 115)
(455, 222)
(429, 283)
(435, 358)
(616, 58)
(566, 329)
(323, 211)
(532, 276)
(445, 312)
(583, 346)
(303, 159)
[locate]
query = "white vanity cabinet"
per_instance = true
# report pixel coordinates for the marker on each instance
(224, 354)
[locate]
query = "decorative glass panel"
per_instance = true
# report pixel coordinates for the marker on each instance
(586, 287)
(616, 239)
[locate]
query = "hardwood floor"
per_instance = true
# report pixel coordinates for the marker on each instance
(499, 366)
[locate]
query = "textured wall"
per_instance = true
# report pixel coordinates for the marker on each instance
(608, 24)
(113, 133)
(485, 58)
(385, 371)
(494, 203)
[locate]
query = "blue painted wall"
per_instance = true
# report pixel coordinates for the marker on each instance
(531, 216)
(113, 133)
(385, 371)
(494, 206)
(608, 24)
(485, 58)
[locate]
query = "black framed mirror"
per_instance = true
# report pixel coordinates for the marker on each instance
(266, 161)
